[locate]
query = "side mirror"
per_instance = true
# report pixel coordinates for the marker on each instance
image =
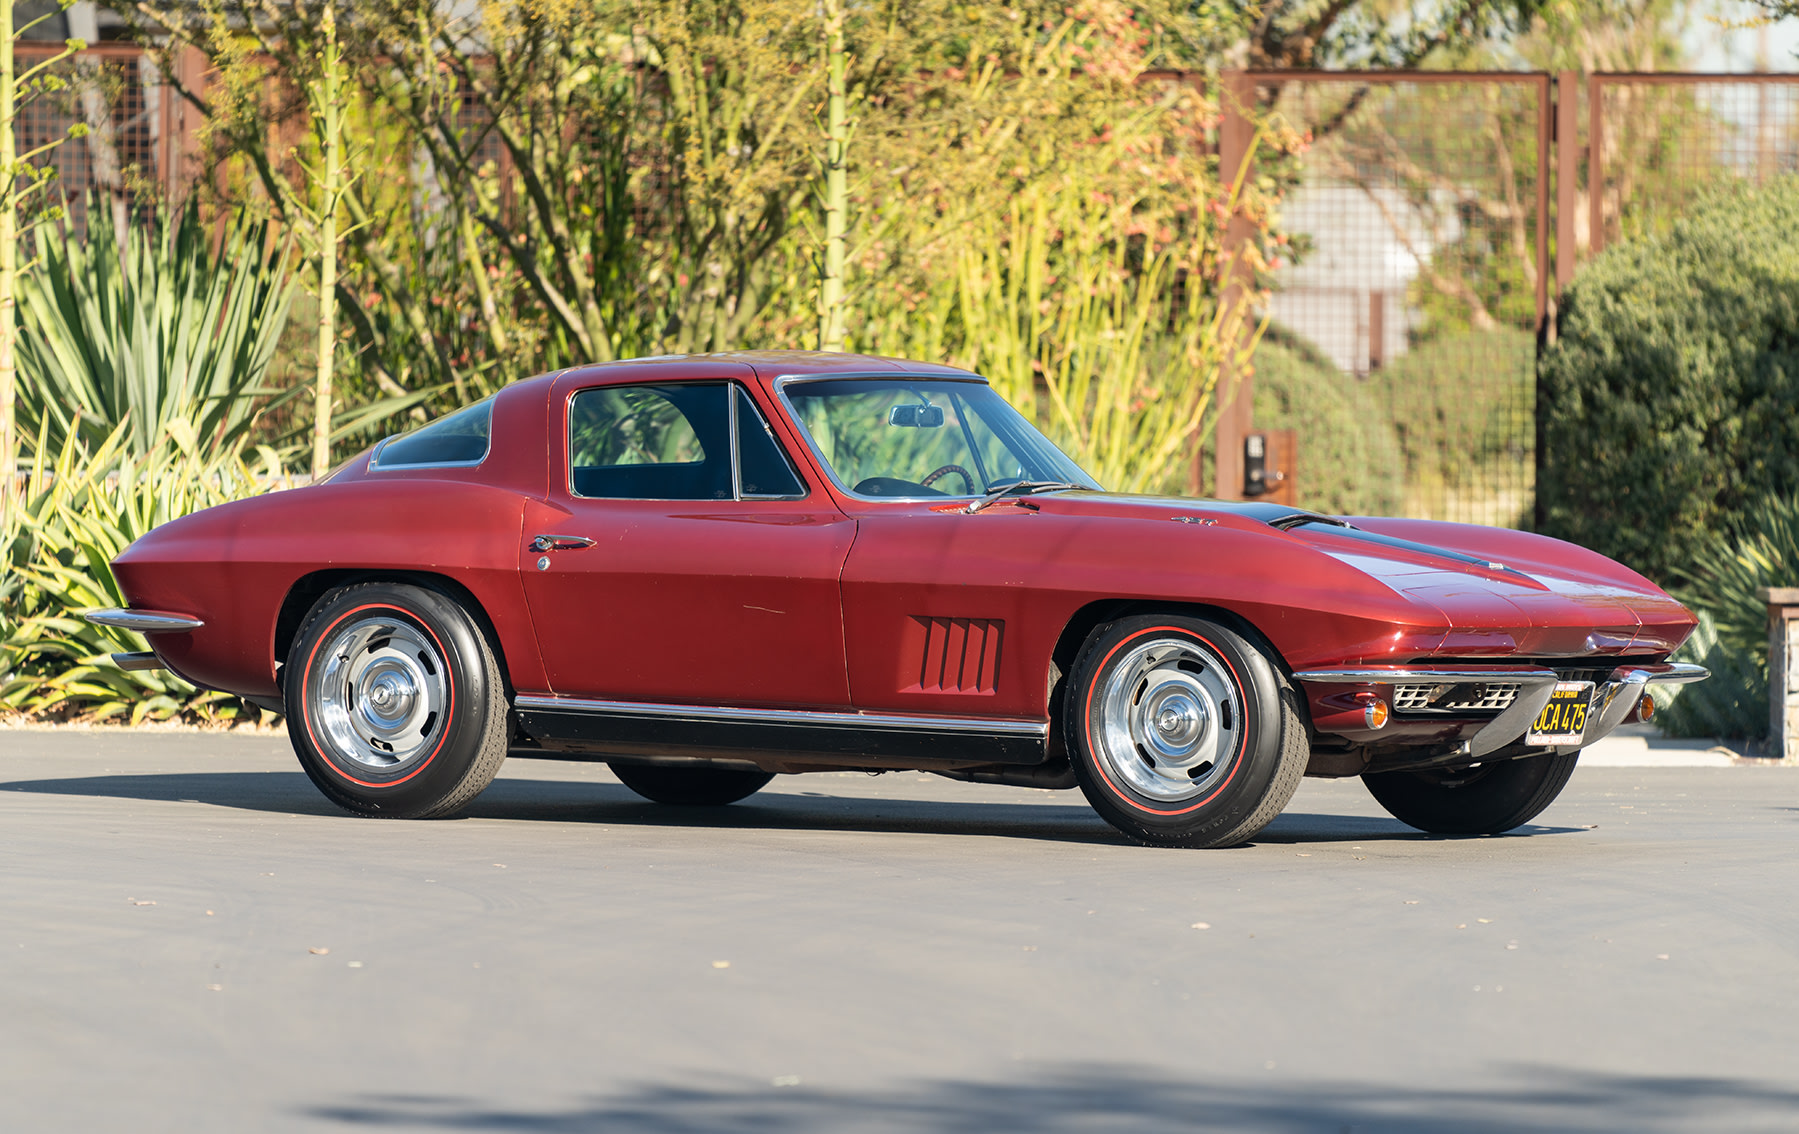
(916, 417)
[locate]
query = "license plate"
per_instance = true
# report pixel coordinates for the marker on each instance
(1564, 720)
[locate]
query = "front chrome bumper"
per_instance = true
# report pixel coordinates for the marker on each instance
(1613, 698)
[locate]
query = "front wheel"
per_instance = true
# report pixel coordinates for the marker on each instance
(1484, 800)
(395, 704)
(1183, 732)
(691, 787)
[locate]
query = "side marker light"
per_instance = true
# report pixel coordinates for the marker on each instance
(1375, 714)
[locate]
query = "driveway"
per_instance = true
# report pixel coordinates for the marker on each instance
(193, 940)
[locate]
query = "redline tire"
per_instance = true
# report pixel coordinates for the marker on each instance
(1487, 800)
(395, 704)
(691, 787)
(1183, 732)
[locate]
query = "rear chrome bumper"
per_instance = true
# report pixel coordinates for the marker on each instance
(143, 621)
(1613, 698)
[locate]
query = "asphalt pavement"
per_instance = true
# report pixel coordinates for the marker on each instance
(191, 939)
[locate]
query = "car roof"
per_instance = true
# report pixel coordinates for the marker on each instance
(764, 364)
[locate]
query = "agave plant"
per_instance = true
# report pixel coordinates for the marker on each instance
(150, 326)
(79, 511)
(1732, 703)
(1727, 572)
(1732, 639)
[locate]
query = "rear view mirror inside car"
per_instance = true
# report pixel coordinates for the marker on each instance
(916, 417)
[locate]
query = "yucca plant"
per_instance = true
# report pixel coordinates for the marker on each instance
(80, 510)
(153, 327)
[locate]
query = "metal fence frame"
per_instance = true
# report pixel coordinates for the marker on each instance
(1236, 132)
(1563, 156)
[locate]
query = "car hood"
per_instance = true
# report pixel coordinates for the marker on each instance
(1499, 592)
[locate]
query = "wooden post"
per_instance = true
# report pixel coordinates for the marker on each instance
(179, 147)
(1283, 467)
(1783, 670)
(1595, 165)
(1545, 126)
(1236, 391)
(1377, 329)
(1567, 179)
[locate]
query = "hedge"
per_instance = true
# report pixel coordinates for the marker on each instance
(1671, 398)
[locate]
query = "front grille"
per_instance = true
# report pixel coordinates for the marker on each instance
(1455, 697)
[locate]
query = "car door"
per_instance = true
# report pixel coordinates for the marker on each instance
(940, 605)
(679, 556)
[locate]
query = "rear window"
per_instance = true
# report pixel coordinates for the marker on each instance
(462, 438)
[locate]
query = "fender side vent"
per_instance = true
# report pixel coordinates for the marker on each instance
(959, 655)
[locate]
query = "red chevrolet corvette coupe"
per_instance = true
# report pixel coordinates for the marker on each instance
(705, 571)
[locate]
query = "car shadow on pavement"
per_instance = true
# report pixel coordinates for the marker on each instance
(290, 793)
(568, 801)
(1292, 827)
(565, 801)
(1086, 1099)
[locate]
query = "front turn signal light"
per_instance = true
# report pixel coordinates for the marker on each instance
(1646, 709)
(1375, 713)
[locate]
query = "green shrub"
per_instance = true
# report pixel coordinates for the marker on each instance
(56, 546)
(1671, 400)
(1348, 457)
(1461, 407)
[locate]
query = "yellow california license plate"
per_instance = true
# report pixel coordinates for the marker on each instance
(1564, 719)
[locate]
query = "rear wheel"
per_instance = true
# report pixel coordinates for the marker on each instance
(1485, 800)
(1182, 731)
(395, 704)
(691, 787)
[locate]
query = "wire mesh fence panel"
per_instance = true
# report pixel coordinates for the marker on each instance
(1660, 141)
(121, 99)
(1415, 295)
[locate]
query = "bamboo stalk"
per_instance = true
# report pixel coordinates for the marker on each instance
(836, 194)
(328, 113)
(9, 258)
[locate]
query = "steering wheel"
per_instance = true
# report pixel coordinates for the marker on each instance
(943, 470)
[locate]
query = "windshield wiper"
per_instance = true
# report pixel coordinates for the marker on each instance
(1019, 488)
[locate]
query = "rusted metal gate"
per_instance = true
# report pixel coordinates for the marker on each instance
(141, 135)
(1424, 198)
(1444, 212)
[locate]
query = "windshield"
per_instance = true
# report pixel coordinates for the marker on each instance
(905, 437)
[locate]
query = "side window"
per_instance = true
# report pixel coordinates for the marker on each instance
(458, 439)
(764, 469)
(651, 442)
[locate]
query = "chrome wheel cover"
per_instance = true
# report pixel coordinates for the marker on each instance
(379, 696)
(1169, 720)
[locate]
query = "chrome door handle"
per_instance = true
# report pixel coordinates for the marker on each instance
(560, 543)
